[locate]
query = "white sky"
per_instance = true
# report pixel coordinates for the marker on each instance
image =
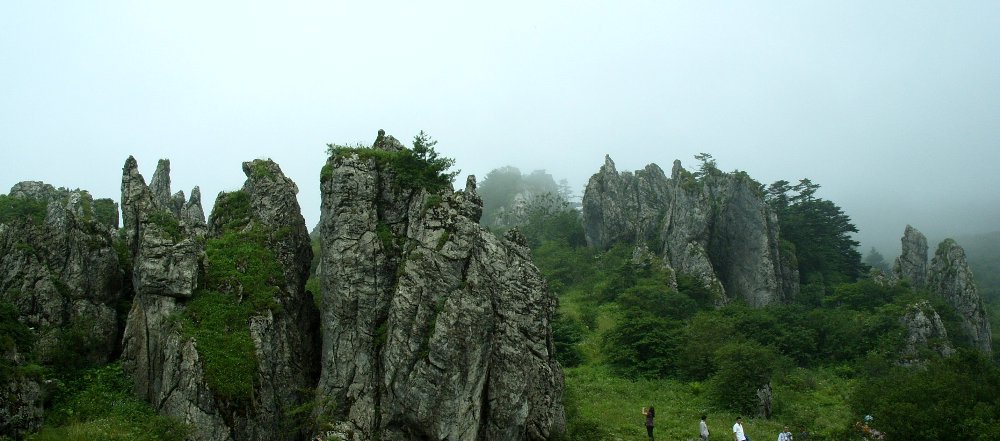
(893, 107)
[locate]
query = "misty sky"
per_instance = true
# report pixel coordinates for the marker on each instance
(893, 107)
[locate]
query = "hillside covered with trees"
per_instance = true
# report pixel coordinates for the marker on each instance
(631, 333)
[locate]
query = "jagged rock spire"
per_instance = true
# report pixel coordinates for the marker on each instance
(951, 278)
(911, 265)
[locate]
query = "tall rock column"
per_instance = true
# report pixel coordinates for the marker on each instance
(166, 257)
(433, 328)
(911, 265)
(951, 278)
(222, 333)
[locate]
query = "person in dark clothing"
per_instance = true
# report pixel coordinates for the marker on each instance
(650, 413)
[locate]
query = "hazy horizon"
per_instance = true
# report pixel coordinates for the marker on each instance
(893, 108)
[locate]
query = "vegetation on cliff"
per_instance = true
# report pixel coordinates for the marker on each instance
(241, 279)
(419, 167)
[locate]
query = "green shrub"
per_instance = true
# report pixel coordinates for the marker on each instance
(567, 333)
(169, 223)
(15, 209)
(106, 212)
(420, 167)
(742, 369)
(99, 405)
(241, 279)
(232, 210)
(949, 398)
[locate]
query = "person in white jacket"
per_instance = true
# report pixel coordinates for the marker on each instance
(703, 428)
(786, 435)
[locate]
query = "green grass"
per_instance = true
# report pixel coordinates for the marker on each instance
(99, 405)
(603, 406)
(241, 279)
(595, 397)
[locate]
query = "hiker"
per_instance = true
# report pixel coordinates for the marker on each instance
(703, 428)
(649, 412)
(786, 435)
(738, 430)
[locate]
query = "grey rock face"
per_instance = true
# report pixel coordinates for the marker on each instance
(911, 265)
(165, 364)
(166, 256)
(924, 332)
(286, 338)
(951, 278)
(625, 207)
(432, 327)
(192, 213)
(717, 228)
(62, 276)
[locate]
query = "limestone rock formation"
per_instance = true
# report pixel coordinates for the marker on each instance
(433, 328)
(60, 278)
(717, 228)
(166, 362)
(951, 278)
(626, 206)
(924, 332)
(911, 265)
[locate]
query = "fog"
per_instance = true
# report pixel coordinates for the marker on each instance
(892, 107)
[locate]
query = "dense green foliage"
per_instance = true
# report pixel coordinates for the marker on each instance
(419, 167)
(14, 336)
(26, 209)
(106, 212)
(632, 334)
(819, 232)
(241, 278)
(99, 405)
(949, 398)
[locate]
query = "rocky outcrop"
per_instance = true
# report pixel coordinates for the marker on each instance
(716, 227)
(433, 328)
(924, 332)
(60, 277)
(625, 207)
(911, 265)
(951, 278)
(166, 257)
(160, 353)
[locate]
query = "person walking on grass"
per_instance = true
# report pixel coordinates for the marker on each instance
(703, 428)
(786, 435)
(650, 413)
(738, 430)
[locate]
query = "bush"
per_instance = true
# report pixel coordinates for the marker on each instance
(99, 404)
(743, 368)
(17, 209)
(643, 345)
(567, 333)
(242, 277)
(420, 167)
(950, 398)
